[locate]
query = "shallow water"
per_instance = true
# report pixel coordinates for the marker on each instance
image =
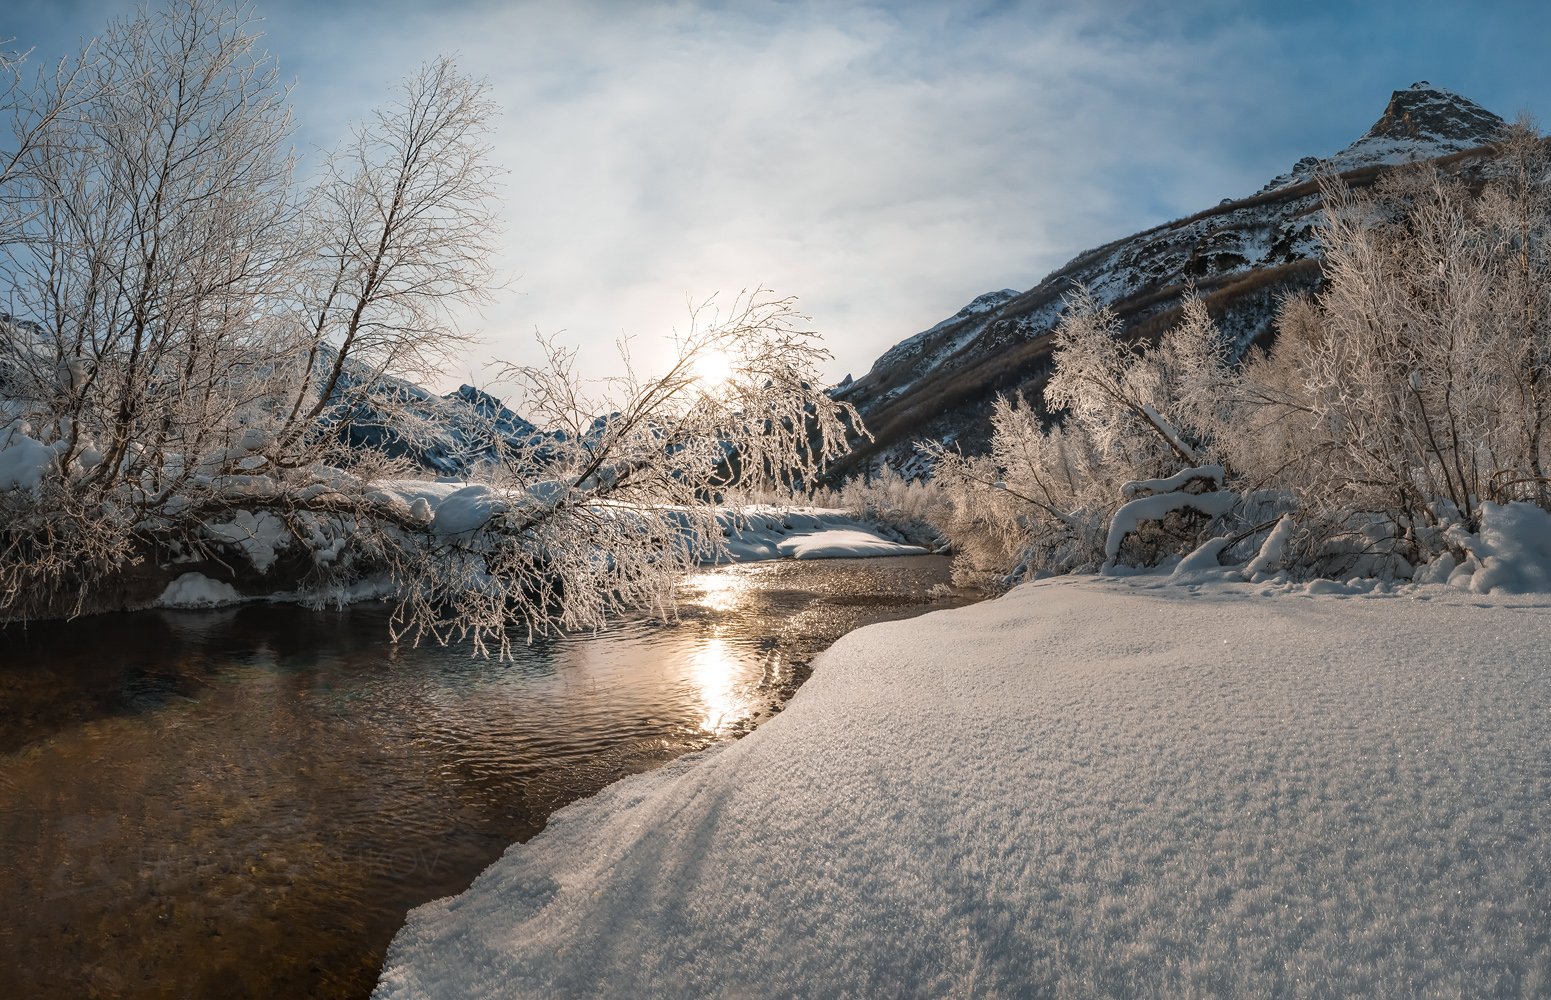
(246, 802)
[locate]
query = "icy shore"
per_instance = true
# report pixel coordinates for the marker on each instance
(1089, 787)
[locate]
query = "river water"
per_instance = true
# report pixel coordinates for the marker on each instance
(246, 802)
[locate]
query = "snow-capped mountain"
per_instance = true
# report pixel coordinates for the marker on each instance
(445, 435)
(1241, 255)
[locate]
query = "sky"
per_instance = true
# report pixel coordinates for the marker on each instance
(884, 163)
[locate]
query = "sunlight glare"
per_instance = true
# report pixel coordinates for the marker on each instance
(713, 368)
(715, 668)
(716, 591)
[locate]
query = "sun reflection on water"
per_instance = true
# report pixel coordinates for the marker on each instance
(715, 669)
(716, 591)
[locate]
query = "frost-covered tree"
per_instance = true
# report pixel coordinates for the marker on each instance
(197, 329)
(633, 490)
(1413, 386)
(1044, 496)
(158, 223)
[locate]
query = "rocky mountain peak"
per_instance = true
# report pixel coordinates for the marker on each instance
(1419, 123)
(1427, 113)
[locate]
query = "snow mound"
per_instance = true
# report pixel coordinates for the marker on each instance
(1085, 788)
(24, 460)
(764, 532)
(195, 590)
(466, 510)
(844, 543)
(1514, 550)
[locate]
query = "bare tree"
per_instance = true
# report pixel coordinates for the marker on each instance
(404, 228)
(161, 218)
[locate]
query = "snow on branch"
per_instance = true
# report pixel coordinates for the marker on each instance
(1208, 473)
(1157, 507)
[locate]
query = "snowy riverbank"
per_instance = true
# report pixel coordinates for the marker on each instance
(753, 533)
(1089, 787)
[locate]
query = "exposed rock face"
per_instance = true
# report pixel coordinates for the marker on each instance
(1420, 123)
(1242, 256)
(1428, 114)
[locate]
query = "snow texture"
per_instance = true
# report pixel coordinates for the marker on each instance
(1090, 787)
(195, 590)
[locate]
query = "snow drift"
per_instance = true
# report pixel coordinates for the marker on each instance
(1089, 787)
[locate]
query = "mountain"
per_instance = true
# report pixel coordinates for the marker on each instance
(1241, 255)
(445, 435)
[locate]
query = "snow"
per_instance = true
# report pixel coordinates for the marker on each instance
(762, 532)
(24, 460)
(1090, 787)
(1205, 559)
(1272, 549)
(195, 590)
(845, 543)
(466, 510)
(258, 536)
(1152, 508)
(1212, 473)
(1513, 550)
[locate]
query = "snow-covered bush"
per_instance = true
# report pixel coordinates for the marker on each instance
(1417, 384)
(1045, 497)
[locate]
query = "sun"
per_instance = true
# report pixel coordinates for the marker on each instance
(713, 368)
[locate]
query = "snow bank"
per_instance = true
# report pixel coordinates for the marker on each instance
(1089, 787)
(195, 590)
(764, 532)
(845, 543)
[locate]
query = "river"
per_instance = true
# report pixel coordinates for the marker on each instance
(246, 802)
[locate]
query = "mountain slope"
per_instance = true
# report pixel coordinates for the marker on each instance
(1242, 256)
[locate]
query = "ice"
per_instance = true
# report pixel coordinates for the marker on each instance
(1090, 787)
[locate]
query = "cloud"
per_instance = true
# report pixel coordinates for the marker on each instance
(883, 162)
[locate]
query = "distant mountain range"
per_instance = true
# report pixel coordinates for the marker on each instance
(1242, 256)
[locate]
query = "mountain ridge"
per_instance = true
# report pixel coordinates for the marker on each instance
(1241, 255)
